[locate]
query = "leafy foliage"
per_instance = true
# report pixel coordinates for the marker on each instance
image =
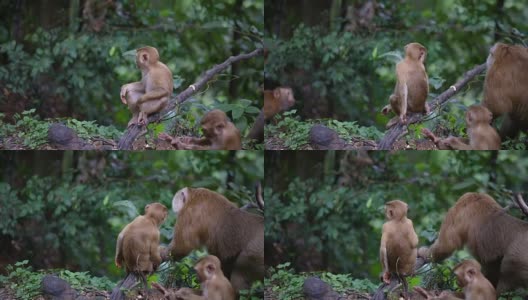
(70, 71)
(295, 133)
(347, 72)
(288, 285)
(327, 212)
(88, 202)
(26, 283)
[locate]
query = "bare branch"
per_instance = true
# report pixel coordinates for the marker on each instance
(396, 131)
(133, 132)
(258, 196)
(520, 202)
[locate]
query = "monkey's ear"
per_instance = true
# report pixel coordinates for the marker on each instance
(391, 213)
(146, 207)
(210, 268)
(144, 57)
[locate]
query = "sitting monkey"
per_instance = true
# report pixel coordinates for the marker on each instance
(219, 134)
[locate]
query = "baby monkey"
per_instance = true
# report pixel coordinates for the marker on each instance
(482, 136)
(137, 244)
(152, 93)
(399, 243)
(470, 278)
(412, 85)
(219, 134)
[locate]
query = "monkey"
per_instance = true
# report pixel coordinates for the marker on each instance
(275, 101)
(475, 285)
(214, 284)
(399, 243)
(151, 94)
(236, 237)
(470, 279)
(494, 238)
(137, 244)
(482, 136)
(219, 134)
(278, 100)
(412, 85)
(506, 87)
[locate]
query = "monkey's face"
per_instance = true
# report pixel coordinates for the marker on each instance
(179, 200)
(213, 130)
(289, 100)
(416, 51)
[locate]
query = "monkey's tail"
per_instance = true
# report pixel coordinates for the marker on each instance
(132, 280)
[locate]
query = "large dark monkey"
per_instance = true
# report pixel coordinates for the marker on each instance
(506, 87)
(236, 237)
(498, 241)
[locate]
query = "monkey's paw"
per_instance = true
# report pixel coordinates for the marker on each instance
(386, 110)
(386, 277)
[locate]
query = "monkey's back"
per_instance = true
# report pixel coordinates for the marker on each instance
(506, 82)
(401, 248)
(136, 245)
(417, 87)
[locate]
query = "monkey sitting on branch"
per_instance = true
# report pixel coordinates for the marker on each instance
(412, 86)
(152, 93)
(219, 134)
(137, 248)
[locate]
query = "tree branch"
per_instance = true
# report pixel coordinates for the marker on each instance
(133, 132)
(520, 202)
(396, 131)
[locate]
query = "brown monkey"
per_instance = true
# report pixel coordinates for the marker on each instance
(276, 101)
(151, 94)
(213, 282)
(236, 237)
(137, 244)
(399, 243)
(496, 239)
(219, 134)
(482, 136)
(506, 87)
(412, 85)
(475, 285)
(471, 280)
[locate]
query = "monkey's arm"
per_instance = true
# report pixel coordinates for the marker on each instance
(383, 259)
(154, 94)
(133, 87)
(155, 257)
(190, 143)
(456, 143)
